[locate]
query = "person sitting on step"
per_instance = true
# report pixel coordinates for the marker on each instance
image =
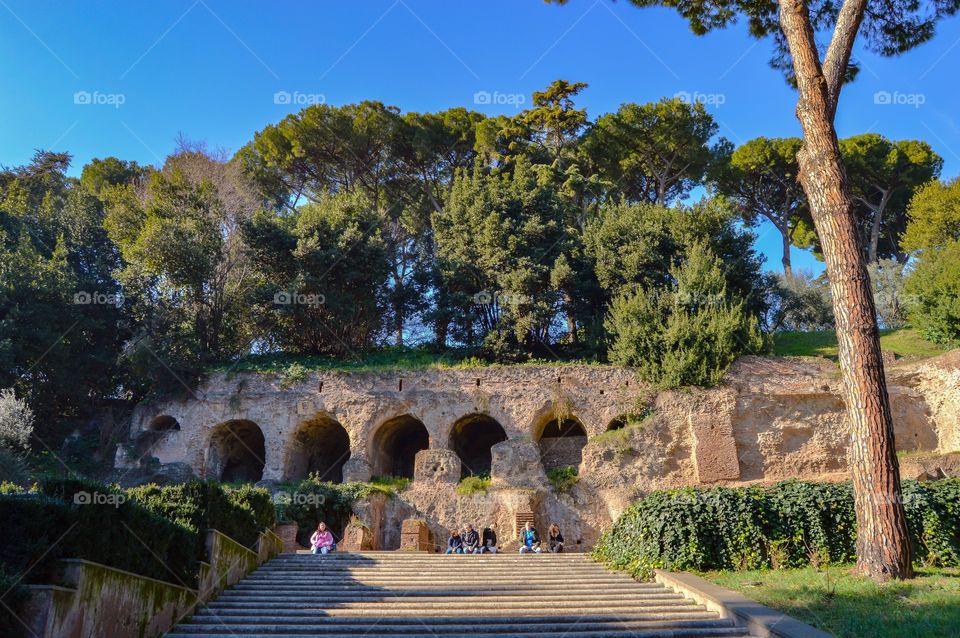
(488, 541)
(322, 540)
(471, 540)
(454, 543)
(529, 539)
(555, 540)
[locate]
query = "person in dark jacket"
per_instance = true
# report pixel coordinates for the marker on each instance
(555, 539)
(455, 543)
(530, 540)
(471, 541)
(488, 541)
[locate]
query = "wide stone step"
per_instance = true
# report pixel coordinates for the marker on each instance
(441, 589)
(434, 597)
(428, 632)
(383, 608)
(455, 626)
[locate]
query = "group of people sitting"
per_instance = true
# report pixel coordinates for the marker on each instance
(469, 542)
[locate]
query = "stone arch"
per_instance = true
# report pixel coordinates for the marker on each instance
(471, 437)
(394, 446)
(163, 423)
(236, 452)
(561, 441)
(321, 446)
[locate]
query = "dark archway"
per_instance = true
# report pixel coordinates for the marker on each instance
(320, 446)
(471, 438)
(395, 445)
(163, 423)
(237, 451)
(561, 443)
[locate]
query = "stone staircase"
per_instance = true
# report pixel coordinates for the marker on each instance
(434, 596)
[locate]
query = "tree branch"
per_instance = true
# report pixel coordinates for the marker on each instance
(837, 60)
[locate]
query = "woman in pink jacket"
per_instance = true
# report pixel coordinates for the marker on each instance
(322, 540)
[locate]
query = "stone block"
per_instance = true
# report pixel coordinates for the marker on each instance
(356, 470)
(415, 536)
(715, 449)
(356, 538)
(437, 466)
(516, 463)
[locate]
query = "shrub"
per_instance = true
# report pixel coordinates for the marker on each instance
(14, 597)
(471, 485)
(563, 478)
(790, 524)
(687, 333)
(934, 288)
(312, 500)
(241, 512)
(16, 421)
(40, 529)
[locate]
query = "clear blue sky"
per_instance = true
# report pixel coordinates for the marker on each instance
(210, 69)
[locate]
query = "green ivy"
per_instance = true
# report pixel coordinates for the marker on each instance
(790, 524)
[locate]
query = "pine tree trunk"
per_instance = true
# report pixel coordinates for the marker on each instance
(787, 264)
(883, 543)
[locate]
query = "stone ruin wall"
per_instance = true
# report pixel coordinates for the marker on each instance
(771, 419)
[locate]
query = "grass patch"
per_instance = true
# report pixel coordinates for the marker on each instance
(389, 484)
(562, 479)
(293, 367)
(904, 342)
(834, 600)
(471, 485)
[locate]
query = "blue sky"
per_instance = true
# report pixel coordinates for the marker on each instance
(211, 69)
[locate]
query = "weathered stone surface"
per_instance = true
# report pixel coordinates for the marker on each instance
(415, 536)
(437, 466)
(356, 538)
(771, 419)
(516, 463)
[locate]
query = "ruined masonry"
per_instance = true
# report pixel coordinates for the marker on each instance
(771, 419)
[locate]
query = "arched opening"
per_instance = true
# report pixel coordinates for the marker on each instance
(320, 446)
(395, 445)
(163, 423)
(561, 442)
(471, 438)
(236, 451)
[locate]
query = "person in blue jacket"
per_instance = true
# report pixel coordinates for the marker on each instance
(454, 543)
(529, 540)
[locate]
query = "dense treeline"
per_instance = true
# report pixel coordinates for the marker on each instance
(342, 229)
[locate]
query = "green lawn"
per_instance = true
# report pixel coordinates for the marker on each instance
(904, 342)
(854, 607)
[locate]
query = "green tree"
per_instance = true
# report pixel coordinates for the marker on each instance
(321, 272)
(933, 216)
(554, 124)
(686, 333)
(890, 28)
(882, 175)
(498, 241)
(761, 177)
(655, 152)
(934, 288)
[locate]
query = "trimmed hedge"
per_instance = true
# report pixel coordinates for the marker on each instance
(310, 501)
(39, 529)
(789, 524)
(241, 513)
